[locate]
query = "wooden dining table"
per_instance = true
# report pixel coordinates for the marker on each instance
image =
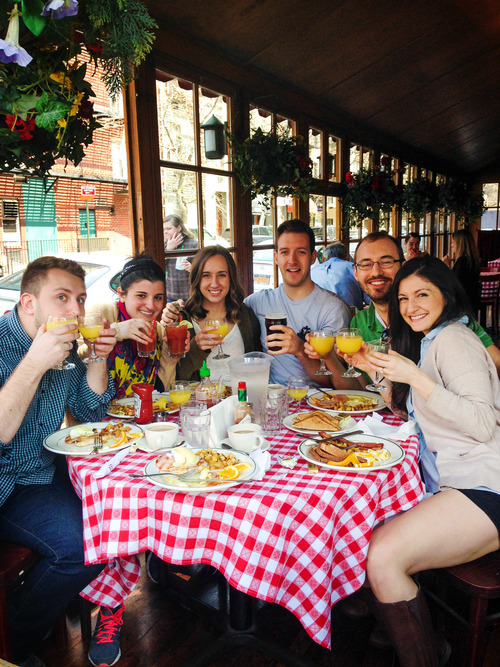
(295, 538)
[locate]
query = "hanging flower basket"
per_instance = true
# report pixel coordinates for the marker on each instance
(420, 197)
(272, 164)
(367, 193)
(45, 107)
(459, 198)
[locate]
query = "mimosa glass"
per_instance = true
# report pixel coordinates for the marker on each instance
(297, 388)
(221, 328)
(180, 392)
(377, 346)
(54, 321)
(349, 342)
(322, 342)
(90, 326)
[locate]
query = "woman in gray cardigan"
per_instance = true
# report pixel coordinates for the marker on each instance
(215, 292)
(444, 378)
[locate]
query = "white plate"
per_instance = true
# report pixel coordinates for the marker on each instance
(365, 394)
(288, 422)
(264, 447)
(151, 468)
(55, 441)
(129, 400)
(396, 452)
(144, 447)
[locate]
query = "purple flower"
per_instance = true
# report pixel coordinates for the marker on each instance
(10, 49)
(60, 8)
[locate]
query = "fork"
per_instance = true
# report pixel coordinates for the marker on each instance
(181, 475)
(98, 444)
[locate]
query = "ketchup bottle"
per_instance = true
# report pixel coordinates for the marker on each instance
(143, 402)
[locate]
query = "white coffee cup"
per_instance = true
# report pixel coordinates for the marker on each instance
(245, 437)
(161, 435)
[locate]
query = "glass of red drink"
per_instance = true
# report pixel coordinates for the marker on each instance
(148, 349)
(176, 339)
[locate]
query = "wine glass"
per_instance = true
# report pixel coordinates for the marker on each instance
(180, 391)
(54, 321)
(322, 342)
(349, 342)
(221, 328)
(377, 346)
(90, 326)
(297, 388)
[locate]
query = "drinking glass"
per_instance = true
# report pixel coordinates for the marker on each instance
(90, 326)
(221, 328)
(195, 422)
(377, 346)
(298, 388)
(349, 342)
(322, 342)
(148, 349)
(180, 391)
(54, 321)
(272, 409)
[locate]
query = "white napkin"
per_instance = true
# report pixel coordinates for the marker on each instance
(110, 465)
(222, 418)
(262, 461)
(373, 425)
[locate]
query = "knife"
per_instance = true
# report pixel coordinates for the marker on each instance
(110, 465)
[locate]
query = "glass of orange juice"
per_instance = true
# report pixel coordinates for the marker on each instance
(90, 326)
(349, 342)
(297, 388)
(221, 328)
(54, 321)
(180, 391)
(322, 342)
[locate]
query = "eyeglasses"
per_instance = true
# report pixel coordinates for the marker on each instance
(384, 263)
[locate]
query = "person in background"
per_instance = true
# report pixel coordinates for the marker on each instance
(308, 307)
(38, 506)
(467, 265)
(215, 292)
(441, 375)
(412, 246)
(177, 237)
(141, 293)
(336, 274)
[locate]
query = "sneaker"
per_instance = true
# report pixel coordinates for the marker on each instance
(104, 648)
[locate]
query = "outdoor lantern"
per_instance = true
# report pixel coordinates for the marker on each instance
(215, 139)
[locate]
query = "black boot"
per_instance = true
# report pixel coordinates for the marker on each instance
(410, 627)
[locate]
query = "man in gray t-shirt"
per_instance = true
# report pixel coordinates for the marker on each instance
(306, 306)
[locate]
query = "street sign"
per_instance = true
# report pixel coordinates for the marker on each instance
(88, 191)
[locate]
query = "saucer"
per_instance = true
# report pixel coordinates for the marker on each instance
(226, 442)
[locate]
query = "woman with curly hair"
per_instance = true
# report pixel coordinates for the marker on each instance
(215, 292)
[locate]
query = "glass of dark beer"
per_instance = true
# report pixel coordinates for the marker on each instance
(270, 320)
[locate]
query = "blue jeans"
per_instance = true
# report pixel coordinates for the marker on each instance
(47, 518)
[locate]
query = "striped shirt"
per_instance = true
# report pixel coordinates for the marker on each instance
(24, 460)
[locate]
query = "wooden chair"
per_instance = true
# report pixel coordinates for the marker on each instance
(494, 265)
(490, 289)
(480, 581)
(15, 562)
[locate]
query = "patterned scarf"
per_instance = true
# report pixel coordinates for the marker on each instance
(126, 367)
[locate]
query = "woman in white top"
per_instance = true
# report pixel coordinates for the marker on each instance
(215, 292)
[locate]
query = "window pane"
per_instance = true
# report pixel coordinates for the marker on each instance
(317, 216)
(260, 118)
(178, 190)
(176, 121)
(490, 192)
(217, 223)
(212, 104)
(264, 269)
(333, 152)
(332, 219)
(354, 158)
(315, 137)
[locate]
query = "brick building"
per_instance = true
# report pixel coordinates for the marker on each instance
(40, 216)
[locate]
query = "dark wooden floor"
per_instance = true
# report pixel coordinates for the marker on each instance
(159, 632)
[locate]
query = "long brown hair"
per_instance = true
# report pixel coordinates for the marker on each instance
(466, 246)
(234, 297)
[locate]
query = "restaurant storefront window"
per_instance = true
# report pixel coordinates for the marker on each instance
(490, 218)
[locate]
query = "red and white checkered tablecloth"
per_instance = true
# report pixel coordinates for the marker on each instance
(294, 538)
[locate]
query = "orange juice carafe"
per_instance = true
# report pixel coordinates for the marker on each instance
(206, 390)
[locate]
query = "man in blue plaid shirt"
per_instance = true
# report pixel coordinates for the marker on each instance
(38, 506)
